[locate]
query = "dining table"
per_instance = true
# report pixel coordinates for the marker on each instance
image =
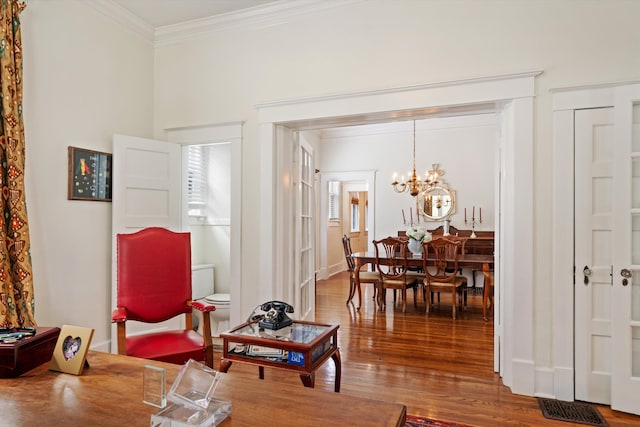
(482, 262)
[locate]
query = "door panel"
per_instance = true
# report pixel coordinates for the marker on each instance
(594, 158)
(607, 241)
(625, 385)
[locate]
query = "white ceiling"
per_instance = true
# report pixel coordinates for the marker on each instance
(158, 13)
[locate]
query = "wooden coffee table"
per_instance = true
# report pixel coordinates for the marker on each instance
(302, 347)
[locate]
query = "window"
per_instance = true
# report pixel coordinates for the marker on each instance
(355, 212)
(197, 180)
(334, 200)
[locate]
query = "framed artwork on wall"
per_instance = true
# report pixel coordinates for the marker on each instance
(89, 175)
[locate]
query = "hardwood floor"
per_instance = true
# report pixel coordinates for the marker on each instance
(437, 367)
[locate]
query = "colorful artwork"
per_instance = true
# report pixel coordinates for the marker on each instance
(89, 175)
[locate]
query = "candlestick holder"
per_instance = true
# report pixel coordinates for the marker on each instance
(473, 224)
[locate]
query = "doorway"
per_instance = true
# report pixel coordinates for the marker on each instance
(208, 187)
(512, 98)
(354, 210)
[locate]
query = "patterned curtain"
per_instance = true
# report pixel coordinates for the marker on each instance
(16, 275)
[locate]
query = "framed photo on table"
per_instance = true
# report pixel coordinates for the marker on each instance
(89, 175)
(70, 352)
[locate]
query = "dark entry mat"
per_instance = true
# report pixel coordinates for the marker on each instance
(575, 412)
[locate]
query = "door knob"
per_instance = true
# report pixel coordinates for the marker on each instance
(626, 274)
(587, 272)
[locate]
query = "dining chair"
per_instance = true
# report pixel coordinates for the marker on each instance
(363, 276)
(392, 266)
(463, 242)
(154, 285)
(440, 261)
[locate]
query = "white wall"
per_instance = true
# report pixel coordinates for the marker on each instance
(463, 146)
(85, 78)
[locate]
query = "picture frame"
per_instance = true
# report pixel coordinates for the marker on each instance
(70, 352)
(89, 175)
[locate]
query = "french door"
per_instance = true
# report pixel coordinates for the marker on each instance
(304, 264)
(607, 252)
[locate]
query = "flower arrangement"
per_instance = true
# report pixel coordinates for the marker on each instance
(418, 233)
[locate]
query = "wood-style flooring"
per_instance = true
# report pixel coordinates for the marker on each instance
(438, 367)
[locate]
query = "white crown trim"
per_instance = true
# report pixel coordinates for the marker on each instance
(123, 17)
(268, 15)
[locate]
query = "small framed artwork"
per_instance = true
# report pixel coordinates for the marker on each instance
(70, 352)
(89, 175)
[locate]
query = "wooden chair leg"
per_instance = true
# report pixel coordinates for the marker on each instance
(382, 293)
(352, 288)
(453, 302)
(429, 298)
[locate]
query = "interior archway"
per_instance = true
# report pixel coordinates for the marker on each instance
(511, 97)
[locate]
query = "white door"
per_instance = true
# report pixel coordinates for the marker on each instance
(304, 264)
(625, 384)
(146, 193)
(593, 253)
(607, 252)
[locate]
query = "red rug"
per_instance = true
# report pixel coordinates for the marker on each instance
(415, 421)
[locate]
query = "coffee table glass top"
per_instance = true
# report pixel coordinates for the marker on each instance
(302, 333)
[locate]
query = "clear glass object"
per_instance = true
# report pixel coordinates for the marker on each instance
(154, 386)
(176, 415)
(194, 385)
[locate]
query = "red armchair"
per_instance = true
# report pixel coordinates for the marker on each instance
(154, 285)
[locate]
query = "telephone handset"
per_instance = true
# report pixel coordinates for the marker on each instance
(275, 315)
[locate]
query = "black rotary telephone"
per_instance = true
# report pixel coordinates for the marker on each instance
(275, 315)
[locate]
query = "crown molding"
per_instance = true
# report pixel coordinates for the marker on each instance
(267, 15)
(124, 18)
(258, 17)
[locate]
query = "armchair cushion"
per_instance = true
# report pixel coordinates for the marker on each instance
(170, 346)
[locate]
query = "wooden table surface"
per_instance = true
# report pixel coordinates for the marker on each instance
(109, 393)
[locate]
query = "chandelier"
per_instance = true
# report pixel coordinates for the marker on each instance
(415, 185)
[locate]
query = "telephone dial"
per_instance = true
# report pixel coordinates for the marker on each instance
(275, 316)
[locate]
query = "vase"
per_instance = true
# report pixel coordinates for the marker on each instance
(415, 247)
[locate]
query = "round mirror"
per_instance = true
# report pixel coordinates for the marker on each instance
(437, 202)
